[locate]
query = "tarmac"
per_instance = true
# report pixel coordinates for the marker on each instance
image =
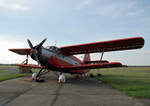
(75, 92)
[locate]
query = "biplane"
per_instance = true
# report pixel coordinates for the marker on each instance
(63, 59)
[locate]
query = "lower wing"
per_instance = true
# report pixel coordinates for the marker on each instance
(93, 66)
(78, 67)
(30, 66)
(96, 61)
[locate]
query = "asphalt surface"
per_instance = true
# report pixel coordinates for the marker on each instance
(75, 92)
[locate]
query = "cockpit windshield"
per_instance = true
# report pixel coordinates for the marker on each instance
(53, 48)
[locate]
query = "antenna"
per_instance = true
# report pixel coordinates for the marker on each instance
(55, 42)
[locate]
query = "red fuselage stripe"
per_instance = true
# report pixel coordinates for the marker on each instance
(58, 63)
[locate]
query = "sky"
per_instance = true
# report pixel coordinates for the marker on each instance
(69, 22)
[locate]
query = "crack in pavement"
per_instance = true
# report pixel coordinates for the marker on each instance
(56, 95)
(17, 95)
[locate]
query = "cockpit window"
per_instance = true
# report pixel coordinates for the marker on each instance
(53, 48)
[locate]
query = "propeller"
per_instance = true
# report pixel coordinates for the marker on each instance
(30, 44)
(35, 51)
(40, 45)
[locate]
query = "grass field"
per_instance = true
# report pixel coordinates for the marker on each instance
(7, 74)
(133, 81)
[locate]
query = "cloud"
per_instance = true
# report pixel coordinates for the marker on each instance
(129, 57)
(135, 13)
(123, 8)
(116, 9)
(105, 8)
(13, 5)
(8, 57)
(85, 3)
(112, 8)
(109, 10)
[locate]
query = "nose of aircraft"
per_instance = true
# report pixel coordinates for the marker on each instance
(35, 51)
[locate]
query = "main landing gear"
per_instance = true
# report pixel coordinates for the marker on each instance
(97, 75)
(38, 76)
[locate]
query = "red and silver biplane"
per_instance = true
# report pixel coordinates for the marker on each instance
(62, 59)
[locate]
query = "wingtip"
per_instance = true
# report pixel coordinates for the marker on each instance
(46, 38)
(27, 38)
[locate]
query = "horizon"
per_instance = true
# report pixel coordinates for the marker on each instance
(69, 22)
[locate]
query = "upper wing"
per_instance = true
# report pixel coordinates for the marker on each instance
(113, 45)
(22, 51)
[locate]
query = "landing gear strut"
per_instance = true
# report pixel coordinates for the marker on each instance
(99, 75)
(37, 77)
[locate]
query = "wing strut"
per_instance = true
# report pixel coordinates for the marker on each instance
(102, 54)
(26, 60)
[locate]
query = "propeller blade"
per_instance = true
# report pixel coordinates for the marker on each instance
(30, 44)
(42, 42)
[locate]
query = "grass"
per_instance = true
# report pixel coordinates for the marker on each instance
(6, 75)
(133, 81)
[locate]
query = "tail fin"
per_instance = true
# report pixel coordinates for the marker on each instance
(86, 58)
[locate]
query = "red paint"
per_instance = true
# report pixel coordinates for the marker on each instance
(62, 64)
(112, 45)
(58, 62)
(69, 51)
(86, 58)
(28, 65)
(96, 61)
(21, 51)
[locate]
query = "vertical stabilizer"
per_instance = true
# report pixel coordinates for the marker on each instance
(86, 58)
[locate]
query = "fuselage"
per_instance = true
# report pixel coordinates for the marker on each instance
(54, 60)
